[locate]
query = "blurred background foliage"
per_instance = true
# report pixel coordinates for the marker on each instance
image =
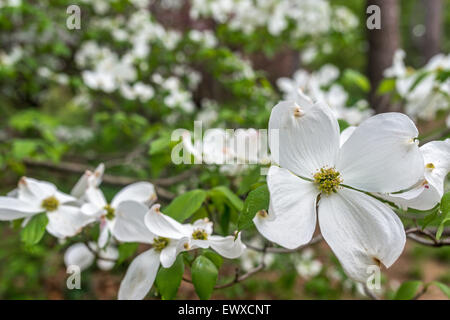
(114, 91)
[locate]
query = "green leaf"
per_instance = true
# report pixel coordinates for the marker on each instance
(358, 79)
(444, 288)
(445, 203)
(168, 279)
(126, 250)
(214, 257)
(257, 200)
(408, 290)
(233, 199)
(184, 206)
(159, 145)
(35, 229)
(22, 148)
(204, 277)
(248, 180)
(445, 209)
(387, 85)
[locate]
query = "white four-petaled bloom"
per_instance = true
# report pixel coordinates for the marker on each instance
(79, 254)
(33, 196)
(319, 178)
(429, 191)
(168, 238)
(124, 203)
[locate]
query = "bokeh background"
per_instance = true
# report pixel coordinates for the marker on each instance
(114, 90)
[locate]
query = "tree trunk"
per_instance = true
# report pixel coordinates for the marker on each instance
(383, 43)
(433, 27)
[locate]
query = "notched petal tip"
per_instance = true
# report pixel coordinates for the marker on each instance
(298, 112)
(262, 213)
(23, 181)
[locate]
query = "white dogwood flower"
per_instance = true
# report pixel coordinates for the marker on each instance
(80, 255)
(193, 236)
(88, 179)
(168, 238)
(429, 191)
(125, 201)
(34, 196)
(319, 179)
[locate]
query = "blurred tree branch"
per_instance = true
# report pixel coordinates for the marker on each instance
(78, 168)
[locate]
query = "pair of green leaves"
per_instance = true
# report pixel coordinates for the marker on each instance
(409, 289)
(204, 272)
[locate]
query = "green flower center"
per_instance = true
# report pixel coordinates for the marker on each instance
(110, 212)
(327, 180)
(199, 234)
(160, 243)
(50, 204)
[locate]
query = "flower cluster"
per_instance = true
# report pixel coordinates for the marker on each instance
(336, 179)
(232, 150)
(426, 91)
(131, 216)
(310, 17)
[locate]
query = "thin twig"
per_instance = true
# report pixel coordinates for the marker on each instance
(416, 234)
(97, 254)
(239, 278)
(313, 241)
(77, 168)
(421, 292)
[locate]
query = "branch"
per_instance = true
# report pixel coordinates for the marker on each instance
(78, 168)
(418, 235)
(97, 254)
(313, 241)
(237, 277)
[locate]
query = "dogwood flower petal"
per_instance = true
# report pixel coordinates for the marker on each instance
(227, 247)
(32, 190)
(293, 202)
(143, 192)
(129, 225)
(95, 196)
(64, 198)
(107, 259)
(140, 276)
(436, 156)
(169, 254)
(89, 178)
(12, 209)
(361, 231)
(422, 197)
(308, 138)
(79, 255)
(165, 226)
(346, 133)
(91, 209)
(67, 221)
(381, 155)
(103, 238)
(427, 194)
